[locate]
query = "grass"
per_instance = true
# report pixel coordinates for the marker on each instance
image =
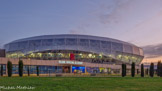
(84, 83)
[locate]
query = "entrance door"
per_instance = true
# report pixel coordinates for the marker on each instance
(66, 69)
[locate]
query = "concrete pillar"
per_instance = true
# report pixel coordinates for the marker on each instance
(71, 68)
(120, 71)
(6, 70)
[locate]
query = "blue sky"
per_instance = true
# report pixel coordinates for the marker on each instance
(135, 21)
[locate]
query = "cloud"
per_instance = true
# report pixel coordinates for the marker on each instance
(74, 31)
(152, 51)
(105, 12)
(80, 29)
(112, 12)
(127, 20)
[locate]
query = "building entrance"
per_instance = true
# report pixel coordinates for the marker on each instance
(66, 69)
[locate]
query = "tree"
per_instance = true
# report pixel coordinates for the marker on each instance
(37, 71)
(152, 70)
(160, 71)
(158, 68)
(123, 70)
(142, 70)
(1, 70)
(9, 68)
(28, 70)
(20, 68)
(133, 69)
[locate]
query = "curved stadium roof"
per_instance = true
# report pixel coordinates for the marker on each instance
(95, 44)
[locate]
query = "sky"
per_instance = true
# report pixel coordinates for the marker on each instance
(135, 21)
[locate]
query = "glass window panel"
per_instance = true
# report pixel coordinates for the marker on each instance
(71, 41)
(47, 42)
(59, 42)
(117, 47)
(13, 46)
(95, 43)
(84, 42)
(105, 45)
(128, 49)
(136, 50)
(34, 43)
(23, 45)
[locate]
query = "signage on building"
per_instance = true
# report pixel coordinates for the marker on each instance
(70, 62)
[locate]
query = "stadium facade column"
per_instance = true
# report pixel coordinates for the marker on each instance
(120, 71)
(6, 70)
(71, 69)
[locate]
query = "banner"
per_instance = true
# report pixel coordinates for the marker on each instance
(72, 57)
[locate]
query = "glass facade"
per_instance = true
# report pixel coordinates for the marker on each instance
(84, 42)
(59, 69)
(47, 42)
(117, 47)
(84, 47)
(59, 42)
(99, 70)
(78, 69)
(92, 69)
(4, 68)
(42, 69)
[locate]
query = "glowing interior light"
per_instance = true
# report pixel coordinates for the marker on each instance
(100, 55)
(90, 55)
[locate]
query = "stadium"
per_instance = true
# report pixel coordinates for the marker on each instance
(66, 53)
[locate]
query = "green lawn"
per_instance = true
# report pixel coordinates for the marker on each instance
(84, 83)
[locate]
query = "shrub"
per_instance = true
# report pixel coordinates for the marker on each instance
(158, 68)
(123, 70)
(28, 70)
(9, 68)
(1, 70)
(20, 68)
(152, 70)
(37, 71)
(142, 70)
(133, 69)
(160, 71)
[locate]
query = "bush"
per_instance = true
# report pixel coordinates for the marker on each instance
(37, 71)
(133, 69)
(152, 70)
(20, 68)
(9, 68)
(1, 70)
(123, 70)
(142, 70)
(158, 68)
(160, 71)
(28, 70)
